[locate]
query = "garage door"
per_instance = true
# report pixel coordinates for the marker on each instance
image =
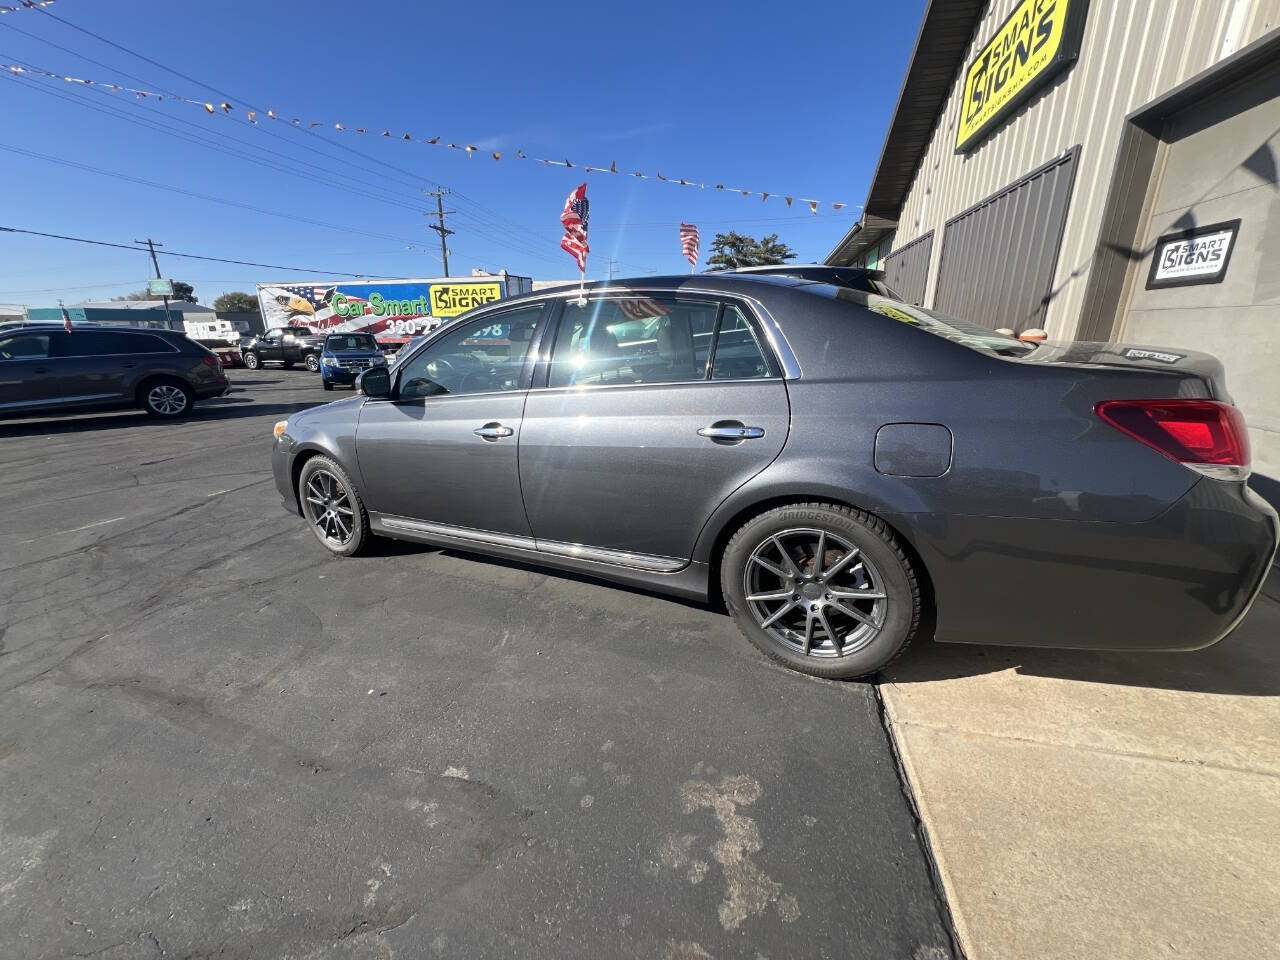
(998, 257)
(907, 269)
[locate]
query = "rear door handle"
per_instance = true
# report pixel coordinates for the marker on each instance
(493, 431)
(39, 369)
(731, 431)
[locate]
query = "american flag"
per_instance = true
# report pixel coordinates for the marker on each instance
(642, 308)
(574, 219)
(66, 318)
(316, 295)
(689, 242)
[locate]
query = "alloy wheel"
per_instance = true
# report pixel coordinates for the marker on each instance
(815, 592)
(329, 507)
(167, 399)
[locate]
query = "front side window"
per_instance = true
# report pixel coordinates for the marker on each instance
(484, 356)
(633, 340)
(24, 346)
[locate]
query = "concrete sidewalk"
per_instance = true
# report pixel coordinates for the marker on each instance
(1088, 805)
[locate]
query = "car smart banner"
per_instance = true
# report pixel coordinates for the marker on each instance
(1197, 255)
(389, 309)
(1037, 40)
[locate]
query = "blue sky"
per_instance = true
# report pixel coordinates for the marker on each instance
(786, 100)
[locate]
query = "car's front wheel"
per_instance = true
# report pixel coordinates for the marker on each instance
(252, 360)
(167, 398)
(326, 384)
(333, 507)
(822, 588)
(312, 362)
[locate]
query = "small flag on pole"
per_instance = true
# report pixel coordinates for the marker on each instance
(66, 318)
(689, 243)
(574, 218)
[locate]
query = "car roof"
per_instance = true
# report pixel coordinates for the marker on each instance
(93, 328)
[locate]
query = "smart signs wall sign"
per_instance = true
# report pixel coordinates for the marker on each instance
(1034, 43)
(1197, 255)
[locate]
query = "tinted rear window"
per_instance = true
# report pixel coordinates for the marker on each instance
(959, 331)
(101, 343)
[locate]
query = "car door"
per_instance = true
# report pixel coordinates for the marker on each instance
(90, 366)
(642, 430)
(271, 345)
(25, 370)
(443, 449)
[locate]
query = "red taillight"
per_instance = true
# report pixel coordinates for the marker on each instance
(1206, 435)
(211, 360)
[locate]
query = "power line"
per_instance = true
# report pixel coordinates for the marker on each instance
(497, 218)
(199, 196)
(193, 256)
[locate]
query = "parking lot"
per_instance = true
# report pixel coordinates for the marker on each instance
(218, 741)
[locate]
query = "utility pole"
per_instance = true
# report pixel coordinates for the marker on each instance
(439, 227)
(151, 245)
(611, 263)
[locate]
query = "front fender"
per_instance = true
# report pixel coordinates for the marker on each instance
(328, 430)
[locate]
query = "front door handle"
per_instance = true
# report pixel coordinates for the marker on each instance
(39, 369)
(492, 431)
(731, 430)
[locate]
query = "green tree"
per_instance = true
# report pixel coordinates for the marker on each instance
(181, 291)
(236, 301)
(731, 250)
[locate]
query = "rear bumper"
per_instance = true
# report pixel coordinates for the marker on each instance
(1180, 581)
(212, 388)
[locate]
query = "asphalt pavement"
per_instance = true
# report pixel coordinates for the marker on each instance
(218, 741)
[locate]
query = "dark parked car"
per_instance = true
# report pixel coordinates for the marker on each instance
(285, 346)
(839, 466)
(346, 356)
(161, 371)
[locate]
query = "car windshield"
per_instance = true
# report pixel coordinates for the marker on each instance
(351, 341)
(940, 324)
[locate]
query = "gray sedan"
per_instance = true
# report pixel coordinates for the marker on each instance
(838, 467)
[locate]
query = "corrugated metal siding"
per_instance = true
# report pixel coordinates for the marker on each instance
(1130, 54)
(907, 269)
(1020, 229)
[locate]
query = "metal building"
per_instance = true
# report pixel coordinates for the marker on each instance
(1106, 170)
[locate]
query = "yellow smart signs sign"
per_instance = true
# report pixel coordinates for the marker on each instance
(1037, 40)
(451, 299)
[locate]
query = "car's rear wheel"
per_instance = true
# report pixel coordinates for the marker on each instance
(312, 362)
(252, 361)
(333, 507)
(167, 398)
(822, 588)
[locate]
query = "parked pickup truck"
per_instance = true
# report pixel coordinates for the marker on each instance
(286, 346)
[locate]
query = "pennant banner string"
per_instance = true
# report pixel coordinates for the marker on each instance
(470, 150)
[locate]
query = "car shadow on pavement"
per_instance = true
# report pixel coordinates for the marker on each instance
(226, 408)
(1247, 663)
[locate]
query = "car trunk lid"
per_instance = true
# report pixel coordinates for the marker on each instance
(1174, 363)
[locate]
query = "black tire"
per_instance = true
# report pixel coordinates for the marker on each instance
(875, 550)
(327, 531)
(287, 364)
(252, 361)
(326, 384)
(166, 398)
(312, 363)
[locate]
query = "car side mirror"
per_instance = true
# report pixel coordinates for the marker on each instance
(375, 383)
